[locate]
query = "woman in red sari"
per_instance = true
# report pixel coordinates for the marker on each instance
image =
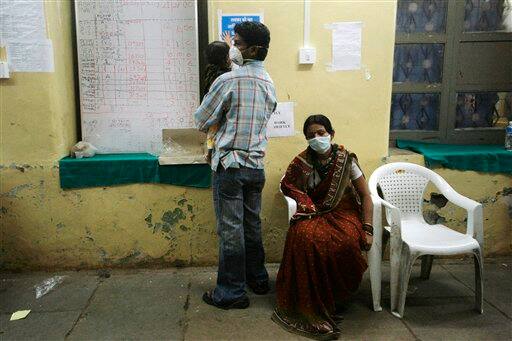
(323, 260)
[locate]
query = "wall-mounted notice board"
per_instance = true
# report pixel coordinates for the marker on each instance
(138, 71)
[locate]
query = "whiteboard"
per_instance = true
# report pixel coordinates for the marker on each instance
(138, 71)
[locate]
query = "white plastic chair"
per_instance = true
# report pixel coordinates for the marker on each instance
(374, 254)
(403, 185)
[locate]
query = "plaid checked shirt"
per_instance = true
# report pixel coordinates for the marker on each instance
(241, 102)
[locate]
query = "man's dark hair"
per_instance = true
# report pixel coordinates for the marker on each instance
(217, 53)
(254, 34)
(317, 119)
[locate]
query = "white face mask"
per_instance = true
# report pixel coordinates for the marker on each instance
(320, 144)
(236, 56)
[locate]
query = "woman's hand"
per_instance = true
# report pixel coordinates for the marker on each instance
(364, 194)
(366, 244)
(366, 199)
(369, 240)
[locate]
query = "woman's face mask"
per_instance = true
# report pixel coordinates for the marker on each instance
(320, 144)
(236, 56)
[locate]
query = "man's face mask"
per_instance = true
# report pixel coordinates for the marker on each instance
(236, 56)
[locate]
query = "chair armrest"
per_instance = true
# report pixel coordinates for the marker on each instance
(292, 207)
(474, 210)
(396, 220)
(457, 198)
(377, 215)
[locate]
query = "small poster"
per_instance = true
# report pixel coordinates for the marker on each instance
(227, 22)
(281, 122)
(346, 45)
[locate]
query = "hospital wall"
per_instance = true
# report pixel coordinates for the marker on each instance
(45, 227)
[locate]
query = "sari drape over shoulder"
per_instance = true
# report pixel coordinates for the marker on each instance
(322, 262)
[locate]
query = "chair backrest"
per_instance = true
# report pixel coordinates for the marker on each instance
(403, 185)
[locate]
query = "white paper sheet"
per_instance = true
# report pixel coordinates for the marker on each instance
(22, 20)
(281, 123)
(19, 315)
(30, 56)
(346, 46)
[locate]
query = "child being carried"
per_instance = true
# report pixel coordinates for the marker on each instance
(218, 63)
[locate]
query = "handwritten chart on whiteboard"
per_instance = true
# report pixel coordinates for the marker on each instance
(138, 71)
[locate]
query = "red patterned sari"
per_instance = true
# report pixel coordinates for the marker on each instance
(322, 262)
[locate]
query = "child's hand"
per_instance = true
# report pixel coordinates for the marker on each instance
(226, 36)
(208, 157)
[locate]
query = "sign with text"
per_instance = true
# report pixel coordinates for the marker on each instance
(281, 122)
(228, 21)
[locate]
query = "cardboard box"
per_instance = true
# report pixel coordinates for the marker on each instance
(182, 146)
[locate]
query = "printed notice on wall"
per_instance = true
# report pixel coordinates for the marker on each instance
(281, 122)
(227, 22)
(22, 20)
(23, 33)
(30, 56)
(346, 45)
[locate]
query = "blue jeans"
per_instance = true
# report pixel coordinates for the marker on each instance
(237, 202)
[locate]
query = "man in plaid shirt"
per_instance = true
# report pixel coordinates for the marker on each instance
(241, 102)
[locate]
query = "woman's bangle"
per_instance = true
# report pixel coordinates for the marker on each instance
(368, 228)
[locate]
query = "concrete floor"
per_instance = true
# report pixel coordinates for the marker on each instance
(166, 304)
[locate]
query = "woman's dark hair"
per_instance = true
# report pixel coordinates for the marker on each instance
(318, 119)
(254, 34)
(217, 53)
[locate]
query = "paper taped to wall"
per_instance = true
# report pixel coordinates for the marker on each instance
(30, 56)
(346, 46)
(23, 33)
(22, 20)
(281, 123)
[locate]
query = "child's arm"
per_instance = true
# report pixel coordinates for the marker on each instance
(211, 109)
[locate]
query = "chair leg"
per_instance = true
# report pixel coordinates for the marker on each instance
(426, 266)
(395, 251)
(479, 284)
(385, 241)
(375, 260)
(406, 261)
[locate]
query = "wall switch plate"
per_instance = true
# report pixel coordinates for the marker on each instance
(307, 55)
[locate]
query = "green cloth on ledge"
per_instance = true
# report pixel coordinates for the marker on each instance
(116, 169)
(480, 158)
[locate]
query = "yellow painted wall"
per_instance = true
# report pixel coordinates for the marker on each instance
(146, 224)
(359, 109)
(38, 109)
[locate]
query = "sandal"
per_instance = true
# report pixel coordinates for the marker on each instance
(331, 335)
